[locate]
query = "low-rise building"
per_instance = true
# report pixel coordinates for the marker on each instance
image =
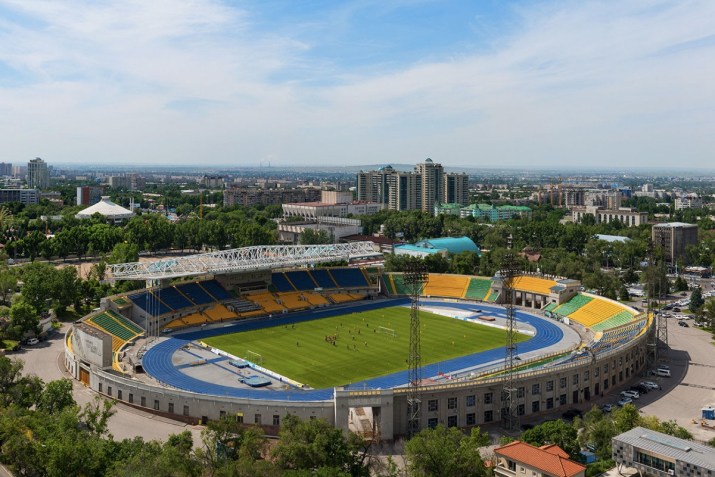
(493, 213)
(627, 216)
(24, 196)
(249, 196)
(656, 454)
(518, 459)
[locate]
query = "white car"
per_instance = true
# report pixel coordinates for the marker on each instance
(624, 401)
(32, 341)
(650, 384)
(630, 394)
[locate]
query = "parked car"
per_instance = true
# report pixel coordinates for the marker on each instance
(630, 394)
(625, 401)
(650, 384)
(167, 330)
(665, 373)
(607, 407)
(640, 389)
(32, 341)
(683, 324)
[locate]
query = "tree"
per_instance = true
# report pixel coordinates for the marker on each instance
(314, 237)
(681, 284)
(553, 432)
(314, 445)
(625, 418)
(8, 283)
(37, 284)
(56, 396)
(24, 318)
(696, 300)
(124, 252)
(446, 451)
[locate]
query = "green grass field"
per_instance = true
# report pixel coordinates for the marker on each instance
(302, 353)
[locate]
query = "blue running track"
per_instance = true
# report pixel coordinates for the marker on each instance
(157, 360)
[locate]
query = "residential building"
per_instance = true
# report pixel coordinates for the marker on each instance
(38, 175)
(336, 227)
(89, 195)
(314, 210)
(5, 169)
(518, 459)
(212, 182)
(249, 196)
(627, 216)
(127, 181)
(673, 238)
(24, 196)
(688, 201)
(653, 453)
(420, 189)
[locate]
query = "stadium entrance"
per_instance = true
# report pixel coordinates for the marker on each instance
(368, 413)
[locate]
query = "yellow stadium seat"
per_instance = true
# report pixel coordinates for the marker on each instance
(452, 286)
(596, 311)
(541, 286)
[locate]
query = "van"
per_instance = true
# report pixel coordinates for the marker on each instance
(662, 372)
(32, 341)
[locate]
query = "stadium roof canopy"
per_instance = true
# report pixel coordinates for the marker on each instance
(265, 257)
(107, 208)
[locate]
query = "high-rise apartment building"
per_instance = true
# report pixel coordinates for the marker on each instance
(89, 195)
(423, 188)
(5, 169)
(673, 238)
(38, 175)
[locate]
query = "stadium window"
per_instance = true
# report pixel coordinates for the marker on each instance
(221, 414)
(432, 405)
(432, 422)
(276, 420)
(100, 387)
(549, 385)
(488, 398)
(471, 400)
(520, 392)
(562, 399)
(186, 410)
(312, 418)
(605, 384)
(119, 394)
(239, 418)
(613, 380)
(257, 419)
(451, 421)
(596, 372)
(536, 388)
(143, 401)
(488, 416)
(534, 406)
(549, 403)
(452, 403)
(109, 390)
(171, 408)
(131, 398)
(620, 361)
(574, 379)
(620, 376)
(605, 368)
(156, 404)
(471, 419)
(520, 410)
(562, 383)
(586, 375)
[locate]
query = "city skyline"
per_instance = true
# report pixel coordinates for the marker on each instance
(519, 84)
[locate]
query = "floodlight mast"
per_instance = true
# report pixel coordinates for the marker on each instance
(415, 277)
(510, 415)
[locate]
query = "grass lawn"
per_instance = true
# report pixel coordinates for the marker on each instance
(302, 353)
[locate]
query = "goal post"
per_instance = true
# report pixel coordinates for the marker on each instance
(387, 331)
(253, 357)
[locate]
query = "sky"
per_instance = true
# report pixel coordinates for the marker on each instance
(473, 83)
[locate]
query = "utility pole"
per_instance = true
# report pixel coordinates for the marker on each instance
(415, 277)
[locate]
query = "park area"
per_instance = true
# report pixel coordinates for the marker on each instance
(345, 349)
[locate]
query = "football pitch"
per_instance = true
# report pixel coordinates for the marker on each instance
(344, 349)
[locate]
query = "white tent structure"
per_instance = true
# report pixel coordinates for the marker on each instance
(108, 209)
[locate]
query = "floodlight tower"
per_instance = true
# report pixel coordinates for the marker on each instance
(652, 340)
(415, 277)
(510, 416)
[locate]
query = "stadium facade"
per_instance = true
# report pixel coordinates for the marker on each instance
(110, 349)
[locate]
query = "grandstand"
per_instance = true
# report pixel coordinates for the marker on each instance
(570, 306)
(478, 288)
(452, 286)
(323, 279)
(301, 280)
(598, 311)
(528, 283)
(349, 277)
(119, 328)
(195, 292)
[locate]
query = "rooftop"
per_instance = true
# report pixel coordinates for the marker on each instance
(675, 224)
(550, 458)
(682, 450)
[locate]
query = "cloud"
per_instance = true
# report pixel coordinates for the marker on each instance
(592, 83)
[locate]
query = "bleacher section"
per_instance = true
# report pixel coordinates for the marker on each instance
(293, 301)
(492, 297)
(174, 299)
(551, 307)
(478, 288)
(281, 283)
(576, 302)
(265, 300)
(399, 282)
(323, 278)
(315, 299)
(121, 329)
(195, 293)
(445, 285)
(617, 320)
(596, 311)
(149, 303)
(219, 313)
(345, 297)
(301, 280)
(349, 277)
(216, 290)
(541, 286)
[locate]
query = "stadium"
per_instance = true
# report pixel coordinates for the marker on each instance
(260, 332)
